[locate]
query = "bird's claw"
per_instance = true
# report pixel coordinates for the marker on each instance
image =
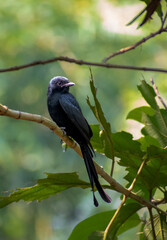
(63, 130)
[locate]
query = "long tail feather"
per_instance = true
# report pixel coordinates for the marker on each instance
(93, 177)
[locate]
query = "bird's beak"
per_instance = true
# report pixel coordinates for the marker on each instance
(68, 84)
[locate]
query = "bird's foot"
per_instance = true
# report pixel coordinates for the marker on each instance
(63, 130)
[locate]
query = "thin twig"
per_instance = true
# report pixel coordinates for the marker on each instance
(81, 62)
(135, 45)
(159, 201)
(157, 93)
(151, 218)
(123, 200)
(152, 223)
(113, 218)
(137, 175)
(5, 111)
(164, 20)
(112, 166)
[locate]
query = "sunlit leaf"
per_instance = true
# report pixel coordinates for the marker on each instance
(136, 114)
(148, 94)
(96, 140)
(97, 222)
(153, 173)
(154, 118)
(125, 219)
(98, 235)
(53, 184)
(155, 126)
(148, 141)
(95, 225)
(160, 228)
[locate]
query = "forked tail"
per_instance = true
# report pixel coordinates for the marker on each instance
(93, 177)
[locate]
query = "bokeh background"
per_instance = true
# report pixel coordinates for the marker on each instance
(83, 29)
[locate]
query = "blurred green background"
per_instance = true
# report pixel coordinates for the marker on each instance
(83, 29)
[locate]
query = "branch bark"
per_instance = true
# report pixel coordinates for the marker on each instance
(5, 111)
(81, 62)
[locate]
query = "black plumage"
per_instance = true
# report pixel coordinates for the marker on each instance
(66, 112)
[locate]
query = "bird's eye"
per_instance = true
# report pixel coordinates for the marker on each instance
(59, 83)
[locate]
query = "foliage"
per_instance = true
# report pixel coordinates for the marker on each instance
(92, 226)
(131, 154)
(34, 30)
(160, 228)
(53, 184)
(151, 7)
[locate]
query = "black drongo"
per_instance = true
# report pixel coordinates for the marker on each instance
(65, 111)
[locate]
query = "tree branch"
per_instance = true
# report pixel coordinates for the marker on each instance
(81, 62)
(5, 111)
(135, 45)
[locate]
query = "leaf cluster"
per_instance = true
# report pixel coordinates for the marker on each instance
(150, 150)
(152, 6)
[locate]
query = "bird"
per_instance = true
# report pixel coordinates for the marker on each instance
(66, 113)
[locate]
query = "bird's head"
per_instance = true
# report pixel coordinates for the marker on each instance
(60, 83)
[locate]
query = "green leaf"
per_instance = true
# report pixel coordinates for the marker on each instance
(124, 143)
(159, 10)
(53, 184)
(98, 112)
(129, 152)
(156, 166)
(146, 1)
(155, 121)
(95, 225)
(148, 141)
(153, 173)
(96, 140)
(96, 236)
(124, 219)
(148, 94)
(154, 118)
(155, 126)
(97, 222)
(132, 153)
(136, 114)
(160, 227)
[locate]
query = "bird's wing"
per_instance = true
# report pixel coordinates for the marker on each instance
(73, 111)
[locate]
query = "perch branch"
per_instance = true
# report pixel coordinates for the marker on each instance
(5, 111)
(81, 62)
